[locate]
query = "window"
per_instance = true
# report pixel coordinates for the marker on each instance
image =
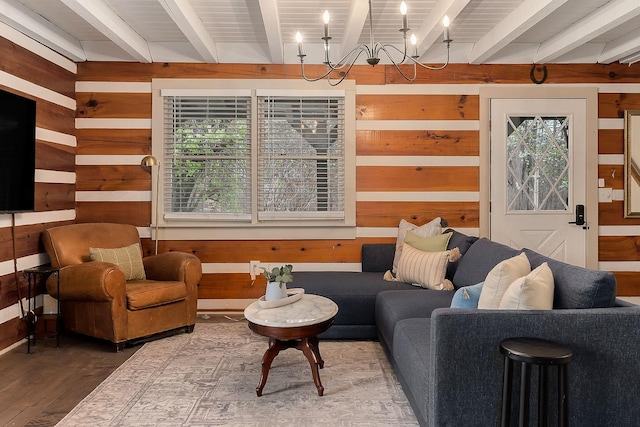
(255, 156)
(207, 153)
(301, 157)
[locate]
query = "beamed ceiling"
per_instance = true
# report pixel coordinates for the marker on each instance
(262, 31)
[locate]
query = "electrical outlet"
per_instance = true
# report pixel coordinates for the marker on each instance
(254, 269)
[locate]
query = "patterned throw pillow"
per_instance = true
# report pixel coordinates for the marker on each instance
(432, 228)
(426, 269)
(129, 259)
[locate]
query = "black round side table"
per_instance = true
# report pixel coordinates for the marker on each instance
(543, 353)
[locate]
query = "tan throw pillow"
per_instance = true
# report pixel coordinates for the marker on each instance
(430, 244)
(129, 259)
(432, 228)
(426, 269)
(499, 279)
(531, 292)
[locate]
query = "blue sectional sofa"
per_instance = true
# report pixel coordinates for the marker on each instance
(448, 359)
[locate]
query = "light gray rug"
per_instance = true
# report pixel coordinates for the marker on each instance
(208, 378)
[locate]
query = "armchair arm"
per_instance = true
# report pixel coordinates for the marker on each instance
(178, 266)
(466, 365)
(90, 281)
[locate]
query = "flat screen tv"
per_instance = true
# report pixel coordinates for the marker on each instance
(17, 153)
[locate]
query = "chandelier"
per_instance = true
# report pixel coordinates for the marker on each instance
(372, 51)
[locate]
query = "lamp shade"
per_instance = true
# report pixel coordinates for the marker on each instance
(149, 161)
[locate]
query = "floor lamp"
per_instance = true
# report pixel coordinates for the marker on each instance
(151, 161)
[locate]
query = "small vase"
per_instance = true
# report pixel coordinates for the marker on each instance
(275, 290)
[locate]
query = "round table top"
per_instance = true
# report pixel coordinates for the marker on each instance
(308, 310)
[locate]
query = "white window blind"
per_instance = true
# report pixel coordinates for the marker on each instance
(301, 168)
(207, 157)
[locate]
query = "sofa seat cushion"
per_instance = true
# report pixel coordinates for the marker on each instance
(353, 292)
(143, 294)
(394, 306)
(411, 359)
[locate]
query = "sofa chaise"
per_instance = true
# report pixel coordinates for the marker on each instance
(448, 359)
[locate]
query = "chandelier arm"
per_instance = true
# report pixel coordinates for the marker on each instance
(397, 64)
(331, 69)
(416, 62)
(336, 66)
(344, 74)
(313, 79)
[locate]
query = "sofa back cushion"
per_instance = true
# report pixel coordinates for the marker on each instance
(460, 241)
(377, 257)
(577, 287)
(479, 260)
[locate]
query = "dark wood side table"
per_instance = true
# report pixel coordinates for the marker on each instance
(295, 325)
(34, 276)
(543, 353)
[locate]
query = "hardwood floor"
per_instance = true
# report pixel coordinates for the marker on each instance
(40, 388)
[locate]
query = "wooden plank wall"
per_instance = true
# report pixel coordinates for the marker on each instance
(417, 149)
(34, 72)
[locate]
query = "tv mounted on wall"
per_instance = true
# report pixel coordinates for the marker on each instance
(17, 153)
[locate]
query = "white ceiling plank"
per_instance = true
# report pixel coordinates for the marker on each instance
(602, 20)
(271, 20)
(620, 48)
(354, 25)
(524, 17)
(186, 18)
(33, 25)
(431, 29)
(631, 59)
(105, 20)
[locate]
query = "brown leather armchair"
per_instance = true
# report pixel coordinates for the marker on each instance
(97, 301)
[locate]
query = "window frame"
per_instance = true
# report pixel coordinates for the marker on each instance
(172, 228)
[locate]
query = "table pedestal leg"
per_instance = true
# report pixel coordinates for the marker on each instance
(267, 359)
(310, 349)
(309, 346)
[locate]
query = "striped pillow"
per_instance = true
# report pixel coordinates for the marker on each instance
(129, 259)
(422, 268)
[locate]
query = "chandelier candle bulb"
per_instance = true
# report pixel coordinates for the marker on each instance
(299, 41)
(403, 12)
(445, 23)
(326, 23)
(414, 42)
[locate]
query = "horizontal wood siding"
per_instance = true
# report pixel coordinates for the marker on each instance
(398, 174)
(417, 143)
(53, 88)
(618, 251)
(417, 107)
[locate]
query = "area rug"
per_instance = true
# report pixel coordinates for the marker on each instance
(209, 377)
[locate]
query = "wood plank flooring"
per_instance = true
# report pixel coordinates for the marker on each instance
(40, 388)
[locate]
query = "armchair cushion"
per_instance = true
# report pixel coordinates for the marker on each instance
(129, 259)
(145, 293)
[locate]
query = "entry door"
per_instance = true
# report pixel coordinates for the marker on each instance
(538, 175)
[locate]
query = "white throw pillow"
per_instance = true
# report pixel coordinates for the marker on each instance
(531, 292)
(424, 268)
(430, 229)
(499, 279)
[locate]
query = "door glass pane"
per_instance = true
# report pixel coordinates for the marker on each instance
(537, 163)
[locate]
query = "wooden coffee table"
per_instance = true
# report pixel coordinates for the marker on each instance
(295, 325)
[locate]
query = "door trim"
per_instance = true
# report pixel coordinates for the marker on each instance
(590, 94)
